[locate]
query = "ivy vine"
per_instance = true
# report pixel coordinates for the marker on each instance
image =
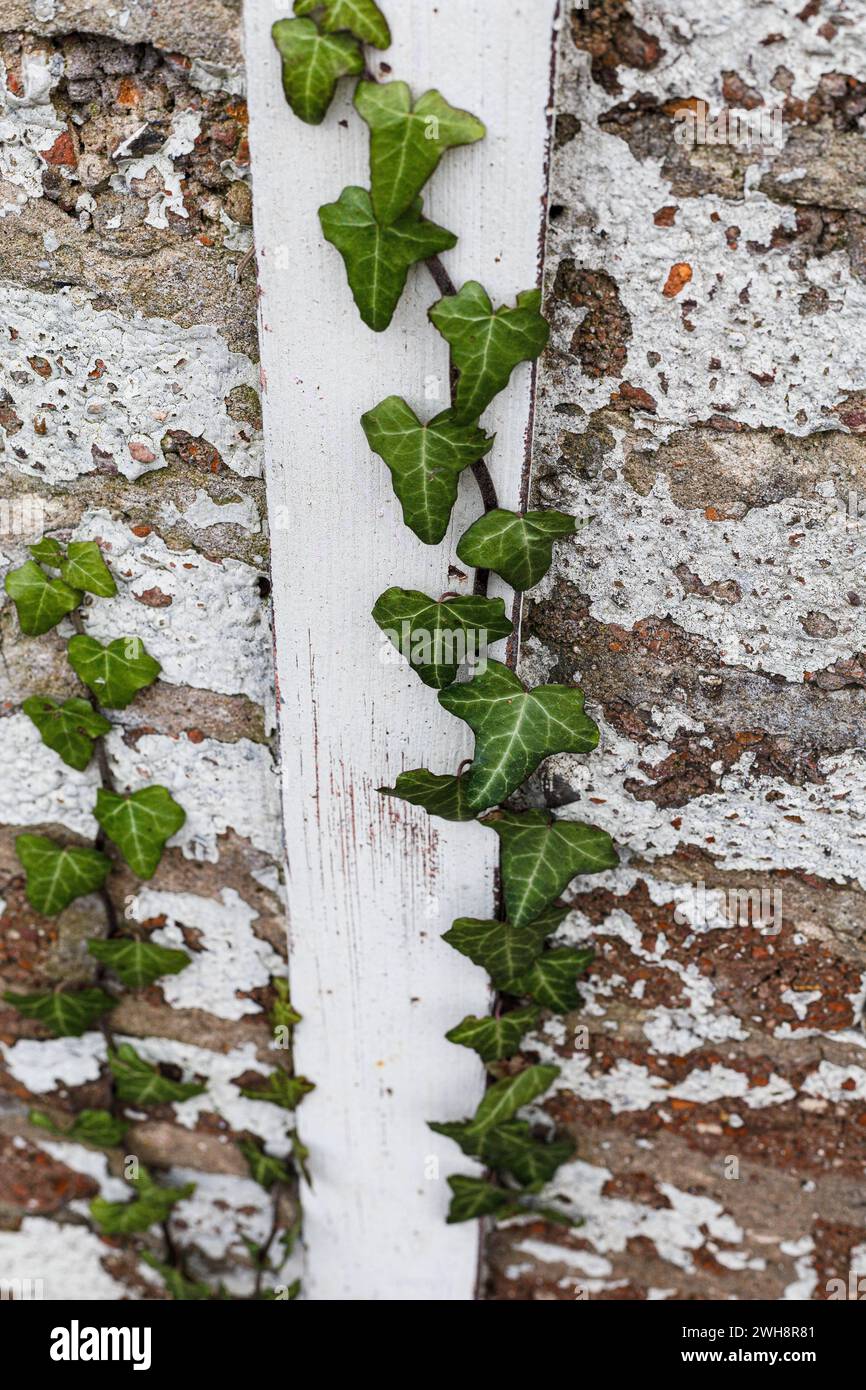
(136, 826)
(381, 232)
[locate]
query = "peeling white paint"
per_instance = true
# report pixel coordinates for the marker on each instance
(185, 129)
(56, 1062)
(155, 377)
(29, 125)
(205, 511)
(67, 1258)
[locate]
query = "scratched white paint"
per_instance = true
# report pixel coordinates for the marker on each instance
(371, 887)
(117, 385)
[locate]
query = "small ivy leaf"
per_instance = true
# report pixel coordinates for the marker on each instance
(494, 1039)
(68, 729)
(540, 855)
(515, 729)
(138, 963)
(474, 1197)
(183, 1290)
(281, 1089)
(363, 18)
(512, 1148)
(378, 258)
(115, 673)
(425, 461)
(150, 1206)
(139, 1083)
(40, 602)
(438, 636)
(57, 874)
(97, 1127)
(84, 568)
(283, 1014)
(67, 1015)
(550, 980)
(505, 1098)
(406, 143)
(519, 548)
(439, 795)
(487, 346)
(264, 1168)
(504, 951)
(139, 824)
(48, 552)
(313, 64)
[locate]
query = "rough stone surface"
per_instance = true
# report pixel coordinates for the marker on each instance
(702, 401)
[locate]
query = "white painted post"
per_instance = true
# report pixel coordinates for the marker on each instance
(372, 883)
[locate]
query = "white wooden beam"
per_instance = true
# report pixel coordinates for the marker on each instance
(372, 883)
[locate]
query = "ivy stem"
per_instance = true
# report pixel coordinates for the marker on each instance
(264, 1252)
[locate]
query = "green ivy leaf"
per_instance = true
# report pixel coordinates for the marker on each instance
(264, 1168)
(494, 1039)
(39, 601)
(150, 1206)
(501, 949)
(363, 18)
(550, 980)
(519, 548)
(474, 1197)
(425, 461)
(313, 64)
(88, 1127)
(67, 1015)
(512, 1148)
(68, 728)
(57, 874)
(181, 1289)
(437, 636)
(84, 568)
(139, 1083)
(48, 552)
(505, 1098)
(283, 1014)
(378, 258)
(515, 729)
(406, 143)
(281, 1089)
(115, 673)
(540, 855)
(487, 346)
(140, 824)
(138, 963)
(439, 795)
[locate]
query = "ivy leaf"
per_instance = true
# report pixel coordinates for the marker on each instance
(439, 795)
(150, 1206)
(406, 143)
(475, 1197)
(138, 963)
(115, 673)
(438, 636)
(363, 18)
(281, 1089)
(503, 950)
(88, 1127)
(68, 728)
(550, 980)
(283, 1014)
(57, 874)
(84, 568)
(487, 346)
(495, 1038)
(512, 1148)
(48, 551)
(139, 824)
(264, 1168)
(40, 602)
(139, 1083)
(425, 461)
(515, 729)
(540, 855)
(505, 1098)
(183, 1290)
(313, 64)
(67, 1015)
(519, 548)
(378, 258)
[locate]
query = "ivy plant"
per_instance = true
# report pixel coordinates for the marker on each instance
(380, 232)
